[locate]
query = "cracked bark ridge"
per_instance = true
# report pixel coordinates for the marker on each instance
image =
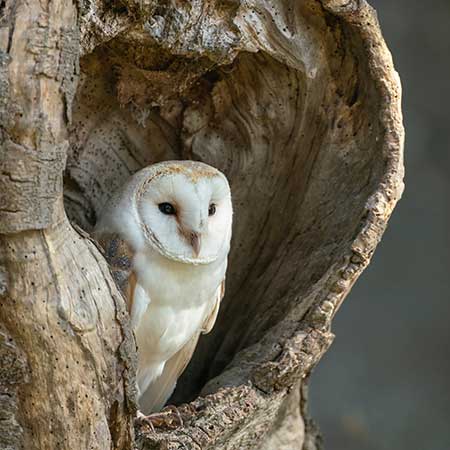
(66, 350)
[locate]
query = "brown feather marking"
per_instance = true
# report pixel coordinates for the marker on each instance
(132, 281)
(194, 171)
(119, 255)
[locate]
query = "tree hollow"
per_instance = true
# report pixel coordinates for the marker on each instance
(299, 106)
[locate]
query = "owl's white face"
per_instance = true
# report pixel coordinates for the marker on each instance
(187, 209)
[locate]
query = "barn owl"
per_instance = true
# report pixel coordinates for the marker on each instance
(166, 235)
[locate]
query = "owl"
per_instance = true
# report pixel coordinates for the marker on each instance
(166, 235)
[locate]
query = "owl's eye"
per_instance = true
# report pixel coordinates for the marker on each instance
(212, 209)
(167, 208)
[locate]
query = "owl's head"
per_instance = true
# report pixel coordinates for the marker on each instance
(185, 210)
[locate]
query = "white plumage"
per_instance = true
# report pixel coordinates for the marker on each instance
(167, 235)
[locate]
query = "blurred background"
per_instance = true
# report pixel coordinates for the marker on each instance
(385, 383)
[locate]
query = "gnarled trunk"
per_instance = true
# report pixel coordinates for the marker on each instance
(66, 371)
(296, 102)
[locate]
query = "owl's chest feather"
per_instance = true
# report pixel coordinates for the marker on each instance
(181, 297)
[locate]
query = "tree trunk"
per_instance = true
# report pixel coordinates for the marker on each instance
(66, 372)
(296, 102)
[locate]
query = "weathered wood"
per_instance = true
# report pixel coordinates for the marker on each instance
(66, 367)
(298, 104)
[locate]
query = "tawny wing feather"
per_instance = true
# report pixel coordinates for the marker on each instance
(120, 256)
(159, 391)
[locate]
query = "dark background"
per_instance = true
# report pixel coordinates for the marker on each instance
(384, 384)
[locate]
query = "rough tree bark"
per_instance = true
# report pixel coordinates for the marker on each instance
(65, 368)
(297, 102)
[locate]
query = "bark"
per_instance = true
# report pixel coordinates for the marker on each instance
(297, 103)
(66, 374)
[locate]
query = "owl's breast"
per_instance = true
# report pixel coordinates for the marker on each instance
(181, 297)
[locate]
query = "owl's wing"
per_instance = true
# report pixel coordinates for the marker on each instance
(159, 391)
(120, 257)
(210, 320)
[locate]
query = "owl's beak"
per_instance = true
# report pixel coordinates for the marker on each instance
(196, 243)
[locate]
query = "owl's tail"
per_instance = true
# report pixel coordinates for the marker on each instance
(160, 389)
